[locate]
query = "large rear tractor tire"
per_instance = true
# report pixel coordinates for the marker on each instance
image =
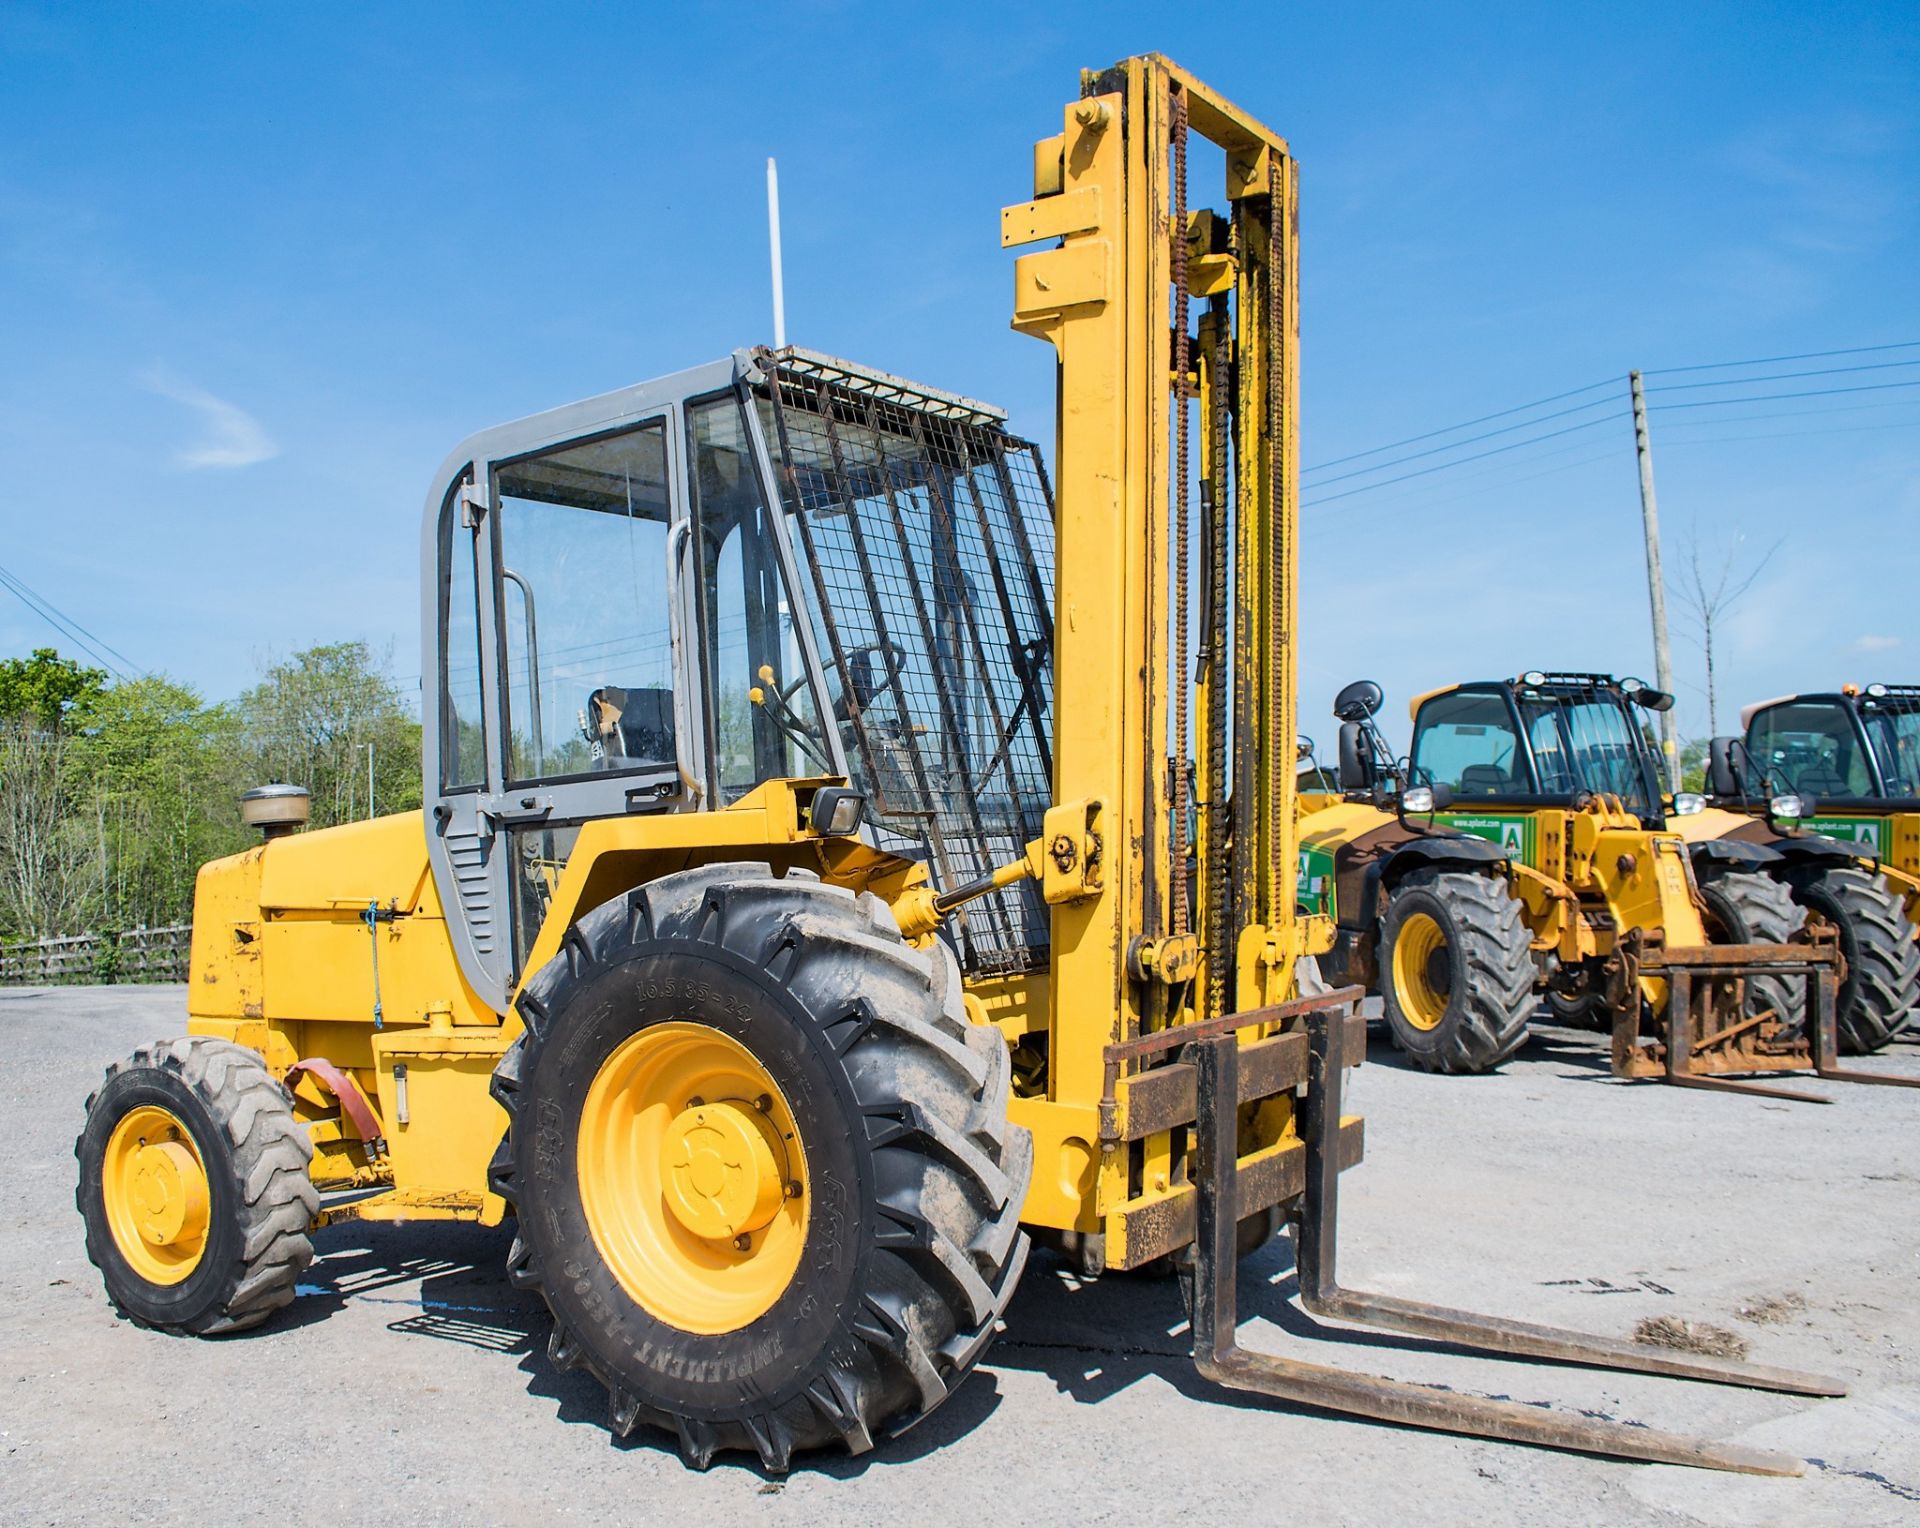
(194, 1188)
(1882, 986)
(762, 1164)
(1750, 907)
(1456, 968)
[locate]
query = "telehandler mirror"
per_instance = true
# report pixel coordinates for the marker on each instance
(1356, 758)
(1723, 767)
(1358, 701)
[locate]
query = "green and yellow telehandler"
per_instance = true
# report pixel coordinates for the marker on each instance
(1551, 781)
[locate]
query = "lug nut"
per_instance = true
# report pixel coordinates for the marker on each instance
(743, 1241)
(793, 1190)
(696, 1102)
(764, 1103)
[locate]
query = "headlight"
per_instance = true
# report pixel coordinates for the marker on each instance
(837, 811)
(1416, 798)
(1787, 806)
(1686, 803)
(1534, 678)
(1877, 691)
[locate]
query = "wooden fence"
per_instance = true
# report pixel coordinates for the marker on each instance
(138, 955)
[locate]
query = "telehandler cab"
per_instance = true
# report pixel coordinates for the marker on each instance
(806, 900)
(1832, 784)
(1550, 783)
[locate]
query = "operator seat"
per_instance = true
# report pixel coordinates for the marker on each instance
(633, 726)
(1485, 780)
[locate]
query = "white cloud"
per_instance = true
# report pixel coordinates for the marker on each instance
(1876, 644)
(231, 437)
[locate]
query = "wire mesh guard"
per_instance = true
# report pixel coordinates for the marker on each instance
(925, 536)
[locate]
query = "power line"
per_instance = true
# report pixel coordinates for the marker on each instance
(1465, 425)
(1833, 429)
(1426, 501)
(1471, 440)
(1477, 456)
(1819, 392)
(1774, 360)
(1780, 376)
(1842, 408)
(96, 647)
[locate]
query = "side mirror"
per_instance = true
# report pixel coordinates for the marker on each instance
(1358, 701)
(1356, 759)
(1723, 768)
(1302, 748)
(1653, 700)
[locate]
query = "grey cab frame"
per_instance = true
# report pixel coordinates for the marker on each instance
(471, 824)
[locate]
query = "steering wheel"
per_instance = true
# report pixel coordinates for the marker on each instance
(859, 681)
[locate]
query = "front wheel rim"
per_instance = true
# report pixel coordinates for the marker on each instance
(154, 1187)
(693, 1178)
(1422, 965)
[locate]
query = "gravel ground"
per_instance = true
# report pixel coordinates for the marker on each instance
(411, 1382)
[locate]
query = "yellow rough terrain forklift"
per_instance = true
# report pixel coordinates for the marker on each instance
(1552, 777)
(1831, 782)
(835, 860)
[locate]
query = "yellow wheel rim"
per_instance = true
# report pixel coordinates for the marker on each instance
(693, 1178)
(1422, 971)
(157, 1199)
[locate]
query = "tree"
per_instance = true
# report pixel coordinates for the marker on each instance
(44, 888)
(1708, 590)
(165, 772)
(311, 719)
(46, 688)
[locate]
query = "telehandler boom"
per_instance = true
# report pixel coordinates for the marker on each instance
(806, 900)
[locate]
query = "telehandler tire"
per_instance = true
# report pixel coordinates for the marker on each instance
(1882, 985)
(761, 1163)
(194, 1187)
(1750, 907)
(1456, 971)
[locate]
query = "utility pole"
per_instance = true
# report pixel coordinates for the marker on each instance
(369, 782)
(1656, 583)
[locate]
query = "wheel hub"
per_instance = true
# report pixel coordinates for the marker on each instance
(169, 1194)
(723, 1176)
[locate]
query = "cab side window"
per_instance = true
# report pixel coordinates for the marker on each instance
(1467, 741)
(1809, 748)
(463, 762)
(585, 595)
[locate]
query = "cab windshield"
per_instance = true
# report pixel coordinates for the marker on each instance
(1893, 731)
(1590, 742)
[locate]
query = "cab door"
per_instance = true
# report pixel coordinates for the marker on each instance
(566, 693)
(595, 695)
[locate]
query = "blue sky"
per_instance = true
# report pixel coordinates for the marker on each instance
(261, 267)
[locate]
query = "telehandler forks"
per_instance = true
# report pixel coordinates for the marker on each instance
(1216, 1063)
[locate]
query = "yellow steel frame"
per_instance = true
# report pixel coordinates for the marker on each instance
(1100, 297)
